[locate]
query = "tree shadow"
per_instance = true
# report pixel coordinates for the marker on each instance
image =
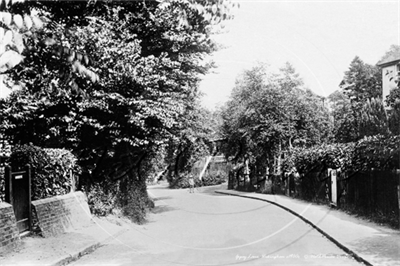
(211, 190)
(161, 209)
(162, 198)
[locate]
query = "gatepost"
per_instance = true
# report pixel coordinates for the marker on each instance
(18, 194)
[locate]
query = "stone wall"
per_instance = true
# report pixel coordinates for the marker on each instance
(61, 214)
(9, 235)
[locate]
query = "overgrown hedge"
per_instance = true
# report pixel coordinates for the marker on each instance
(51, 169)
(378, 152)
(127, 197)
(366, 183)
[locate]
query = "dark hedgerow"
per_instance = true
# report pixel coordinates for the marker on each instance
(378, 152)
(51, 169)
(133, 200)
(367, 179)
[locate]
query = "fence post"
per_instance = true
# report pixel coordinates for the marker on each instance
(73, 183)
(8, 187)
(397, 172)
(29, 176)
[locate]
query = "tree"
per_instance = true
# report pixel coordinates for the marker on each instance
(193, 142)
(374, 119)
(393, 52)
(25, 27)
(361, 82)
(345, 126)
(148, 56)
(271, 112)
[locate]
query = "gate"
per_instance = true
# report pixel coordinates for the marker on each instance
(18, 194)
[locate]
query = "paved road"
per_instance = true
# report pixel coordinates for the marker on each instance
(205, 228)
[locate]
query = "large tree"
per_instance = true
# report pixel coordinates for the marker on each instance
(361, 86)
(271, 112)
(147, 55)
(362, 82)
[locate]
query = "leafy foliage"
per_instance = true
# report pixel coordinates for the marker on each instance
(345, 124)
(269, 112)
(361, 82)
(147, 56)
(373, 118)
(214, 179)
(133, 200)
(101, 202)
(51, 169)
(27, 29)
(193, 142)
(358, 109)
(319, 158)
(379, 152)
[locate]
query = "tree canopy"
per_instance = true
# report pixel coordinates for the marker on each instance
(143, 60)
(269, 112)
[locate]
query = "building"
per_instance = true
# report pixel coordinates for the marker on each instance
(390, 66)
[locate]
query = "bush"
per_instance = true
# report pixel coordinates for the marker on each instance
(377, 152)
(319, 157)
(214, 179)
(101, 201)
(50, 169)
(133, 199)
(367, 175)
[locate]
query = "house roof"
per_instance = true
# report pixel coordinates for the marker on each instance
(389, 59)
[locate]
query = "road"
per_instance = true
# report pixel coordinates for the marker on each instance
(205, 228)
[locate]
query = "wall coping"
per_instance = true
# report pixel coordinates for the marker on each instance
(76, 194)
(5, 205)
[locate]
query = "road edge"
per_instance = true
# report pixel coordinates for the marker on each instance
(69, 258)
(331, 238)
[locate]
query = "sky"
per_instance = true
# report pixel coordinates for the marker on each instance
(319, 38)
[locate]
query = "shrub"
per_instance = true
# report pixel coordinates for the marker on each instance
(101, 201)
(319, 157)
(377, 152)
(50, 168)
(214, 179)
(133, 199)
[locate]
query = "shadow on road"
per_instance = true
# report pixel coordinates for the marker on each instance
(162, 198)
(211, 190)
(162, 208)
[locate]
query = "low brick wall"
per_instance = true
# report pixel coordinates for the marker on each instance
(9, 235)
(61, 214)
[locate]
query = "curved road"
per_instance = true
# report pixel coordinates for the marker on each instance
(205, 228)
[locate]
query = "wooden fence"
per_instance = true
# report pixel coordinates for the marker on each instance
(374, 193)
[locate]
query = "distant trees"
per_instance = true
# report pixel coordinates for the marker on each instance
(345, 129)
(358, 109)
(361, 82)
(270, 112)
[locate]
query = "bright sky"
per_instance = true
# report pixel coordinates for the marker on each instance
(319, 38)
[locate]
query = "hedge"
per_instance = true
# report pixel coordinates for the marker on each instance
(51, 169)
(374, 152)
